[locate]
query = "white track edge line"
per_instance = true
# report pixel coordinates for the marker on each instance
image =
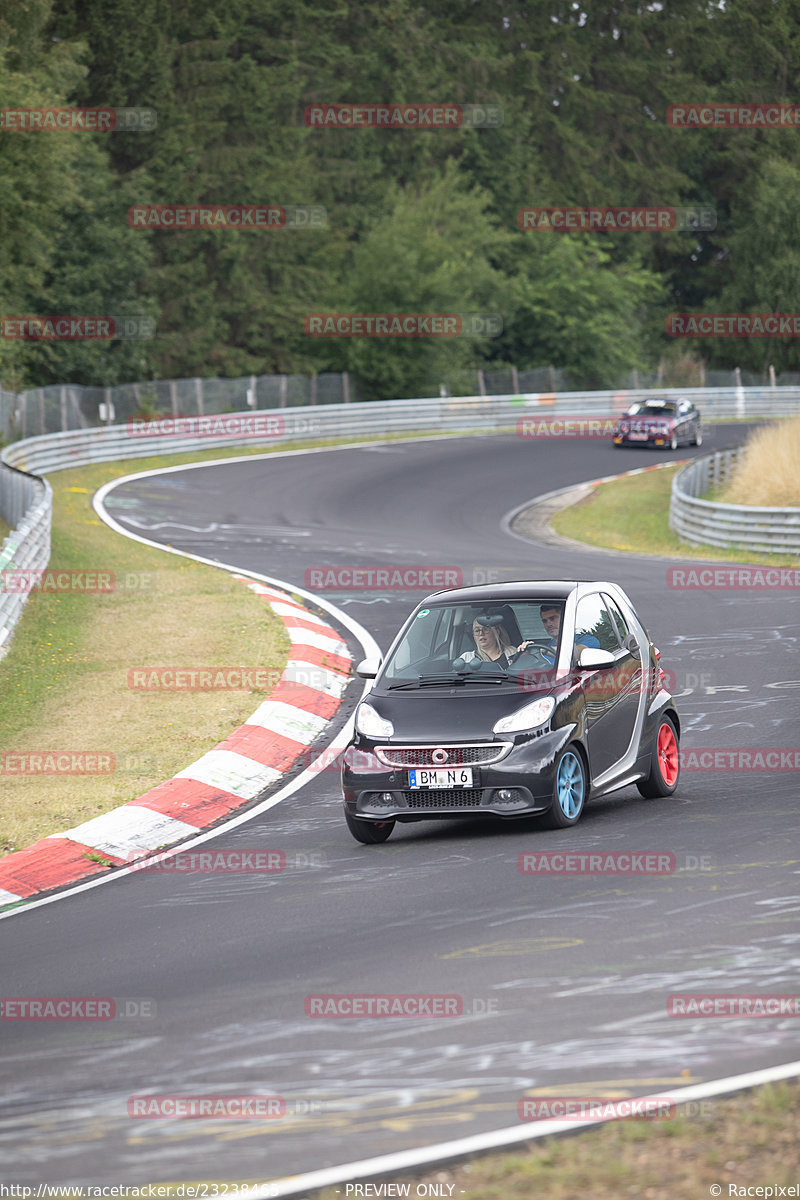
(362, 636)
(430, 1156)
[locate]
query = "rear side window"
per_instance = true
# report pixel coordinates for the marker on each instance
(593, 624)
(617, 618)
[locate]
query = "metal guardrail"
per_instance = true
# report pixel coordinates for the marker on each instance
(730, 526)
(26, 503)
(28, 544)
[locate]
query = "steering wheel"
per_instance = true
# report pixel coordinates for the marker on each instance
(537, 654)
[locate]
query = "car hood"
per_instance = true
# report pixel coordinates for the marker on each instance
(435, 714)
(648, 420)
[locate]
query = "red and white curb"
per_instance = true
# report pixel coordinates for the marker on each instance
(234, 772)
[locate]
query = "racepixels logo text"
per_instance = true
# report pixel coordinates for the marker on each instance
(226, 216)
(733, 325)
(713, 1004)
(403, 116)
(77, 120)
(393, 1005)
(403, 325)
(57, 762)
(202, 679)
(400, 578)
(594, 1108)
(215, 1107)
(734, 116)
(75, 1008)
(75, 328)
(755, 758)
(567, 219)
(737, 579)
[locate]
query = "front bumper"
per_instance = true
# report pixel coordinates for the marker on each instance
(519, 784)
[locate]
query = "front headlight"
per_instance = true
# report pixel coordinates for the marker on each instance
(371, 724)
(527, 717)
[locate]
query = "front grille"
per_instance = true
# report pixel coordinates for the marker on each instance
(444, 798)
(457, 756)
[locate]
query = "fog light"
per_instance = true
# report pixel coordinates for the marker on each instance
(508, 797)
(382, 800)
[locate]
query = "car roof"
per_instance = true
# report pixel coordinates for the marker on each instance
(522, 589)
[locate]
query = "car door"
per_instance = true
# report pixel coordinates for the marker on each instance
(610, 693)
(684, 426)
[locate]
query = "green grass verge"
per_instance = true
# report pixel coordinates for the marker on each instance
(632, 514)
(64, 684)
(747, 1141)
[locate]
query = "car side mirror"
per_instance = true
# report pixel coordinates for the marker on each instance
(591, 657)
(368, 668)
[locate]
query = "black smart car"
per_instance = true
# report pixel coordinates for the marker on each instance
(656, 422)
(507, 701)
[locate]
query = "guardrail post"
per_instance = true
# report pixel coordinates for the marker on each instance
(346, 386)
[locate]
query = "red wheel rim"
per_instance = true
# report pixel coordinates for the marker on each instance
(667, 750)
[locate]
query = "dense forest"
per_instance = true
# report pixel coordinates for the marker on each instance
(416, 220)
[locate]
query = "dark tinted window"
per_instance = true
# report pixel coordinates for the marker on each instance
(617, 618)
(593, 621)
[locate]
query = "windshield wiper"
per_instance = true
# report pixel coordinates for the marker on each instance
(441, 680)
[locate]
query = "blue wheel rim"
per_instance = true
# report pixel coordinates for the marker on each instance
(569, 785)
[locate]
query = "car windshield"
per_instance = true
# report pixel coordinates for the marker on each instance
(475, 643)
(652, 408)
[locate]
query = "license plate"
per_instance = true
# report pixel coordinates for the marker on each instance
(637, 437)
(442, 777)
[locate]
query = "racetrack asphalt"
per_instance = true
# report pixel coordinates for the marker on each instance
(564, 978)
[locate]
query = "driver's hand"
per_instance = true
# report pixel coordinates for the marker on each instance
(523, 646)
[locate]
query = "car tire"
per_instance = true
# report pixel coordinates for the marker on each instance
(698, 437)
(368, 832)
(665, 762)
(569, 789)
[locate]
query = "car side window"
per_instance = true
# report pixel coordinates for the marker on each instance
(617, 618)
(593, 624)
